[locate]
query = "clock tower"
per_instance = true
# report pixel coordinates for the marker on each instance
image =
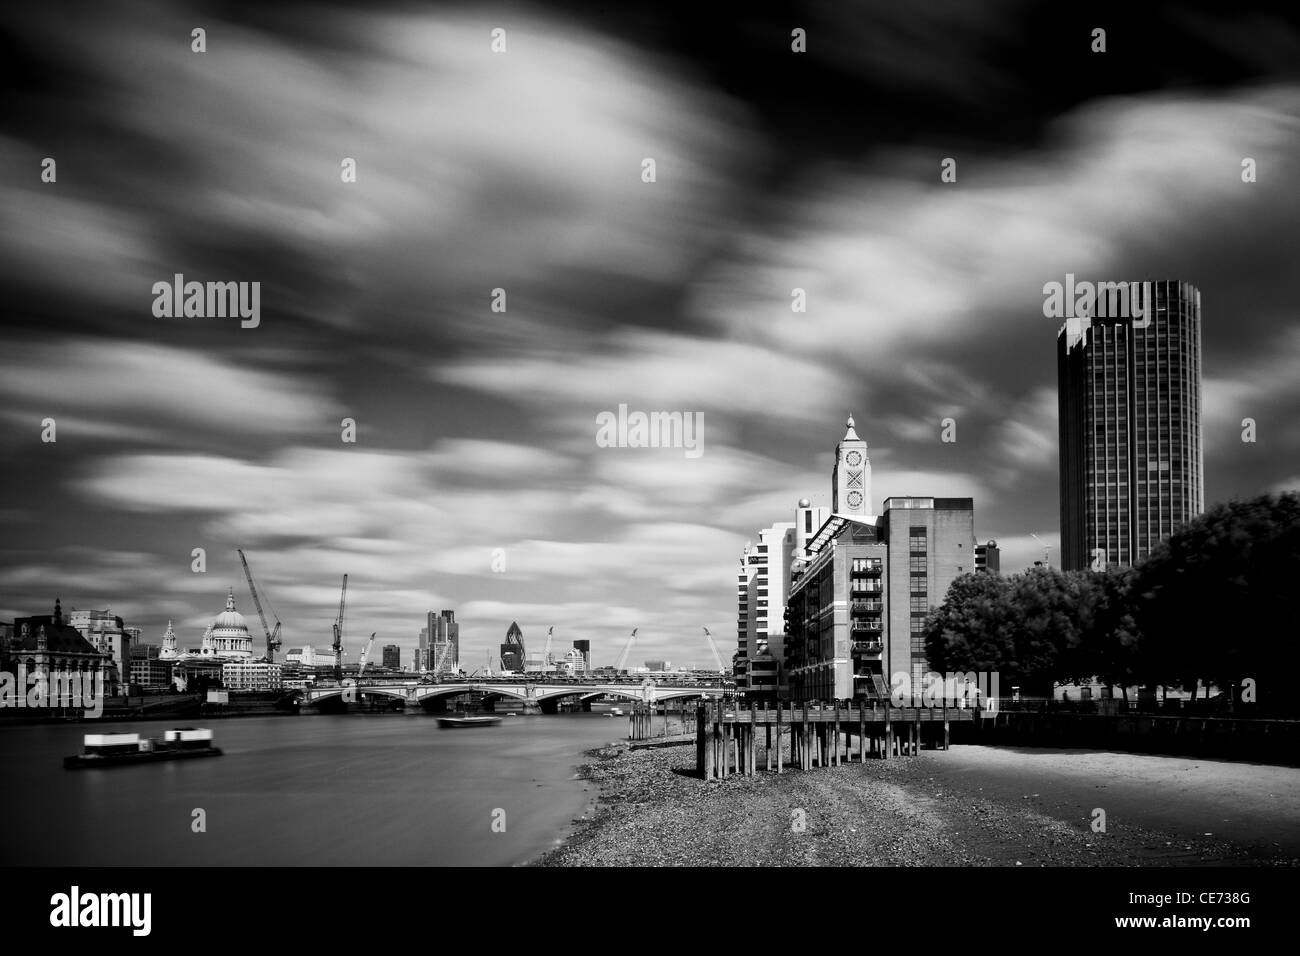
(851, 479)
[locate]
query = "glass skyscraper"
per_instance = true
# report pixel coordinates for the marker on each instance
(1130, 427)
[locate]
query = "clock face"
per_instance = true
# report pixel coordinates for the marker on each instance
(855, 499)
(853, 458)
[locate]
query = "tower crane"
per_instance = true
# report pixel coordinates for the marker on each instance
(1046, 550)
(365, 654)
(338, 633)
(272, 636)
(622, 658)
(714, 647)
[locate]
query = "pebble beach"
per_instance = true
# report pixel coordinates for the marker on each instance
(649, 809)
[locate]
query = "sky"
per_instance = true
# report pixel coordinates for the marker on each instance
(476, 482)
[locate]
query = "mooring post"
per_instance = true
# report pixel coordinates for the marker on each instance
(889, 735)
(945, 725)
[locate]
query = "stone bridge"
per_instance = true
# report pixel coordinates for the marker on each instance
(537, 697)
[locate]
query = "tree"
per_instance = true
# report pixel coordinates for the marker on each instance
(1111, 644)
(1218, 601)
(1007, 625)
(971, 630)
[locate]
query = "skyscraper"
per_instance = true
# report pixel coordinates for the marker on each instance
(444, 642)
(1130, 427)
(512, 651)
(393, 657)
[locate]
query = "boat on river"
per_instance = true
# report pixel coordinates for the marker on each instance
(112, 750)
(465, 720)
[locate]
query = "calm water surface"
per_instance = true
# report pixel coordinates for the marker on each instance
(317, 790)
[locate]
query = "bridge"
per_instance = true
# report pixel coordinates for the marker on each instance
(537, 696)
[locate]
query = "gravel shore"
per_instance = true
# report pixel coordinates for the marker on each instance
(653, 811)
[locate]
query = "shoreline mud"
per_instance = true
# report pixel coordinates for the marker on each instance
(649, 809)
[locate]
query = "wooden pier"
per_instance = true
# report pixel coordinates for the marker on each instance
(726, 737)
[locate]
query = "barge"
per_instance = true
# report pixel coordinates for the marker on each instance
(467, 721)
(111, 750)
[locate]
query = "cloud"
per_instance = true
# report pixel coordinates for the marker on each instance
(114, 390)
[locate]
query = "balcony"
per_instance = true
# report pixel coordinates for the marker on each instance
(859, 607)
(869, 626)
(867, 572)
(868, 647)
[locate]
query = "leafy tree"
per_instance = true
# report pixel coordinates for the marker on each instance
(1019, 626)
(1219, 600)
(972, 629)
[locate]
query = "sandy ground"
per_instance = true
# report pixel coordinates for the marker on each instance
(1253, 806)
(967, 806)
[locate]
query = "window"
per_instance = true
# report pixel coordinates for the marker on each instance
(916, 563)
(920, 604)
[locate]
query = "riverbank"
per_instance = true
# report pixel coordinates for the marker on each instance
(1020, 809)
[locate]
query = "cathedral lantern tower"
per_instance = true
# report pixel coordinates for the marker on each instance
(851, 479)
(168, 651)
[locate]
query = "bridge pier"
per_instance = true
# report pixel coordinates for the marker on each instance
(534, 707)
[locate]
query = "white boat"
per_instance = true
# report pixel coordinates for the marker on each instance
(616, 712)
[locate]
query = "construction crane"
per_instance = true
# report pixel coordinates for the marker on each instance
(443, 653)
(622, 658)
(272, 636)
(365, 654)
(1046, 549)
(338, 633)
(714, 647)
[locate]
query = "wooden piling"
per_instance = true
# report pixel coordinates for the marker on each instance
(835, 734)
(779, 768)
(719, 744)
(768, 727)
(703, 765)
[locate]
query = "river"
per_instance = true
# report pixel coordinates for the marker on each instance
(314, 790)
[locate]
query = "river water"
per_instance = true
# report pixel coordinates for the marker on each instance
(314, 790)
